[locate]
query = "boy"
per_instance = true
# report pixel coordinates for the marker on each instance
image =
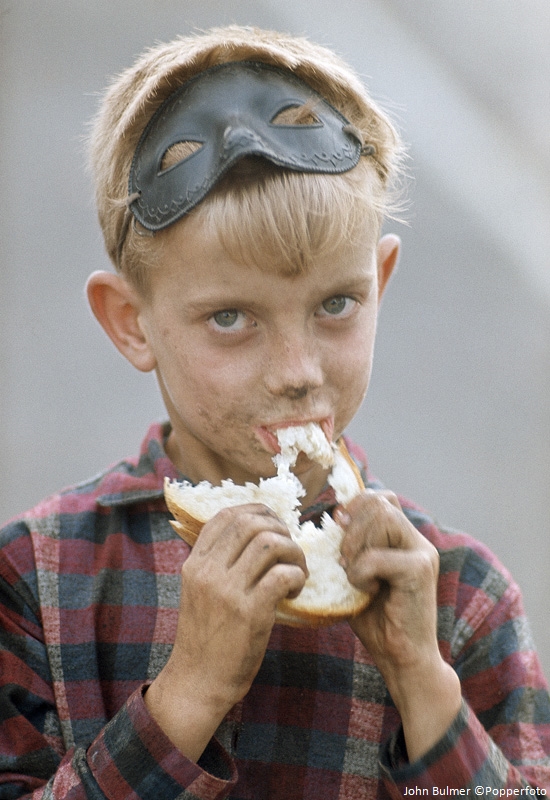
(241, 181)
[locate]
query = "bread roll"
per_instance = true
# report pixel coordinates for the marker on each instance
(327, 596)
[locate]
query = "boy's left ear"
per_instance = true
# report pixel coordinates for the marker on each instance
(118, 308)
(387, 256)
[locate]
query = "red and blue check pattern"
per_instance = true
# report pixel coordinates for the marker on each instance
(89, 594)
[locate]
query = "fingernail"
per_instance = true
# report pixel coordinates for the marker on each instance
(342, 517)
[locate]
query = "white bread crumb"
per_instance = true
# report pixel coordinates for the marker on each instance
(308, 439)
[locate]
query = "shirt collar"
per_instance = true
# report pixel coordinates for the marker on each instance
(139, 479)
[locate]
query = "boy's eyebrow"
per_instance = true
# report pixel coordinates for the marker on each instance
(352, 283)
(236, 298)
(219, 300)
(348, 284)
(214, 302)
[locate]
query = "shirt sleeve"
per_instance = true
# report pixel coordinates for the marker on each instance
(130, 758)
(465, 758)
(500, 740)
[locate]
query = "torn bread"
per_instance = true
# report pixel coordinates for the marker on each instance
(327, 596)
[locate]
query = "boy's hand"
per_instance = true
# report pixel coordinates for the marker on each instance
(242, 565)
(385, 555)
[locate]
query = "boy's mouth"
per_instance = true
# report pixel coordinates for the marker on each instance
(267, 434)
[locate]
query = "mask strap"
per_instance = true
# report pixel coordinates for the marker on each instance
(128, 218)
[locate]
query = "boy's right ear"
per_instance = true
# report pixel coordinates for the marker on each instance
(118, 308)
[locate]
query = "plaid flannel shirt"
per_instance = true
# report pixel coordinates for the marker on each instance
(89, 592)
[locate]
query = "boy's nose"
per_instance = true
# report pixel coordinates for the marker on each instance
(293, 369)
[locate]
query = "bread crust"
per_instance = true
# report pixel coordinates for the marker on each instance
(287, 614)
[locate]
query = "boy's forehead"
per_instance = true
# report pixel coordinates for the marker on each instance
(194, 252)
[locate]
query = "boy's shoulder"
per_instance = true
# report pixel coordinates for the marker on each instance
(66, 533)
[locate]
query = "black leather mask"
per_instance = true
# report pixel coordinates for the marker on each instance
(229, 111)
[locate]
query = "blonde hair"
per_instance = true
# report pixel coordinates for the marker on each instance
(266, 216)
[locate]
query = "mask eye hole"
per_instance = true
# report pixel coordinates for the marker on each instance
(297, 115)
(178, 152)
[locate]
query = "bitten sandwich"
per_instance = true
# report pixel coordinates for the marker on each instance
(327, 596)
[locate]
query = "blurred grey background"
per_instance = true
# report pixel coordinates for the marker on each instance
(457, 417)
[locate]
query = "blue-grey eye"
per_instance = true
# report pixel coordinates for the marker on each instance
(336, 305)
(226, 318)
